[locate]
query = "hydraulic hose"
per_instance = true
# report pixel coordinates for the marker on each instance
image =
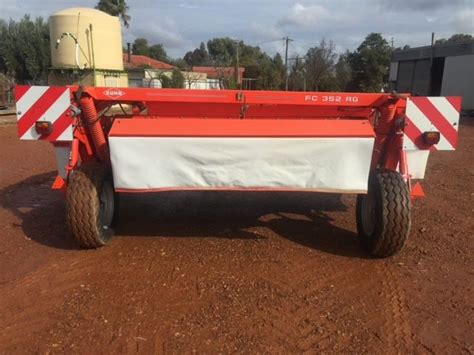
(89, 114)
(385, 124)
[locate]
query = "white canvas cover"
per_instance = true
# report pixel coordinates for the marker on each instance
(161, 163)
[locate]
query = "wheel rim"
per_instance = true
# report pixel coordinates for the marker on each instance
(106, 205)
(368, 214)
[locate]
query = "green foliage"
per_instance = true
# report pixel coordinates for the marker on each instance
(179, 63)
(141, 47)
(177, 79)
(370, 64)
(320, 63)
(297, 75)
(197, 57)
(156, 51)
(25, 49)
(117, 8)
(320, 70)
(342, 73)
(456, 38)
(222, 52)
(165, 81)
(269, 72)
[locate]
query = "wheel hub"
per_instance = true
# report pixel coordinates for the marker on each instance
(106, 201)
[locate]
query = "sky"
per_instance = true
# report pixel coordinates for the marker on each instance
(181, 25)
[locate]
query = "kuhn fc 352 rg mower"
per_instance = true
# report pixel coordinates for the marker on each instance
(372, 145)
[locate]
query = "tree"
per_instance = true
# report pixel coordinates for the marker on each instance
(140, 47)
(319, 63)
(370, 64)
(267, 73)
(279, 72)
(342, 73)
(198, 57)
(222, 51)
(297, 76)
(179, 63)
(117, 8)
(177, 79)
(456, 38)
(222, 54)
(25, 53)
(157, 52)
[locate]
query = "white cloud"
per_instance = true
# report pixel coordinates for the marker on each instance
(422, 5)
(262, 33)
(305, 16)
(462, 21)
(181, 25)
(188, 6)
(164, 31)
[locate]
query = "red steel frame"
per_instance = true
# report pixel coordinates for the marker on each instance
(230, 113)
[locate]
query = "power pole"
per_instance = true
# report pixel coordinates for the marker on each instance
(237, 71)
(287, 42)
(430, 81)
(392, 42)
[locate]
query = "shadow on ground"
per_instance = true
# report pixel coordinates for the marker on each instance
(300, 217)
(41, 210)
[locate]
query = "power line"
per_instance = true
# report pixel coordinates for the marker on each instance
(294, 48)
(266, 42)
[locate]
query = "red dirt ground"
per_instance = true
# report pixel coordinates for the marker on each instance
(233, 272)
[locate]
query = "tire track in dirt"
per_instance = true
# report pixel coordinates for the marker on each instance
(303, 316)
(397, 326)
(134, 321)
(28, 302)
(314, 313)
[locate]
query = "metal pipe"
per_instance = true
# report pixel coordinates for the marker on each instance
(77, 46)
(74, 158)
(404, 164)
(93, 54)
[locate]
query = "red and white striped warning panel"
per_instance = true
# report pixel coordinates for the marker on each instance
(432, 114)
(44, 103)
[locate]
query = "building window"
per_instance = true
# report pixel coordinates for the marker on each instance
(111, 81)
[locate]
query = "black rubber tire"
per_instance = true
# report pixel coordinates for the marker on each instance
(84, 207)
(390, 216)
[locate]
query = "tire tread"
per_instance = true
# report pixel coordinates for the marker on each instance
(83, 206)
(393, 217)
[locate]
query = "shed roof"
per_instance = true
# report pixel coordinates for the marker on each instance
(444, 50)
(142, 61)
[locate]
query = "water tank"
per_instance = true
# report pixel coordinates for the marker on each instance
(98, 34)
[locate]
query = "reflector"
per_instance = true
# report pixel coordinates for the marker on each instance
(43, 127)
(431, 138)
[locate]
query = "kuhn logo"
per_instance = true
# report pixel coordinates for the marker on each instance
(114, 93)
